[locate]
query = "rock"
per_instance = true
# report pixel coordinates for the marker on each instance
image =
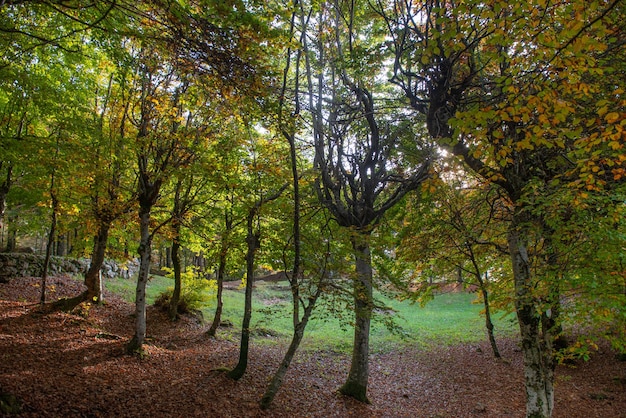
(27, 265)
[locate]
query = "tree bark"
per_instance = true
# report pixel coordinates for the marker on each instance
(61, 245)
(356, 384)
(221, 269)
(5, 186)
(299, 325)
(93, 278)
(46, 261)
(538, 365)
(253, 241)
(489, 323)
(145, 250)
(174, 301)
(12, 234)
(168, 257)
(278, 377)
(53, 226)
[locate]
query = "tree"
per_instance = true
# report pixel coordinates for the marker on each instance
(54, 202)
(225, 244)
(263, 156)
(160, 149)
(500, 86)
(188, 192)
(224, 247)
(455, 231)
(361, 148)
(288, 128)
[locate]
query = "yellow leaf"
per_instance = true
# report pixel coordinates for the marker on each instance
(611, 117)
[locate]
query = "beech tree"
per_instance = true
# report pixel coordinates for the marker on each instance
(361, 147)
(158, 151)
(501, 85)
(223, 215)
(263, 155)
(456, 233)
(306, 279)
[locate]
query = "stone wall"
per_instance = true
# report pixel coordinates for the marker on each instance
(23, 265)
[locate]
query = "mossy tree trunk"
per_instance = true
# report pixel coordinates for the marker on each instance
(538, 361)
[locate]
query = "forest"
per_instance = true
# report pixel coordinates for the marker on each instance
(358, 152)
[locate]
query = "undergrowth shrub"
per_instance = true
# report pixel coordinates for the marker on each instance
(195, 291)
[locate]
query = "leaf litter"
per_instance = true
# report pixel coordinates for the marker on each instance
(74, 364)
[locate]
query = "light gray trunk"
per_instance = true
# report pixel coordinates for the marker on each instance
(538, 366)
(356, 384)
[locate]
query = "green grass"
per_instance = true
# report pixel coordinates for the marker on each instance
(126, 288)
(448, 319)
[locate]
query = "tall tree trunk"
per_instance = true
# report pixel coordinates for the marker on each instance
(482, 283)
(5, 186)
(46, 261)
(221, 269)
(253, 242)
(174, 301)
(168, 258)
(296, 339)
(61, 245)
(12, 234)
(538, 365)
(145, 250)
(53, 226)
(356, 384)
(299, 325)
(488, 322)
(93, 278)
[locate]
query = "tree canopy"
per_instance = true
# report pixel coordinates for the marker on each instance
(487, 137)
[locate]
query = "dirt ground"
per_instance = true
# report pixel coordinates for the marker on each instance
(73, 365)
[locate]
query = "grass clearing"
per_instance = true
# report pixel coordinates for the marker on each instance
(126, 288)
(450, 318)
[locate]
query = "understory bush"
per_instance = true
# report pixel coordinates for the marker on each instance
(196, 290)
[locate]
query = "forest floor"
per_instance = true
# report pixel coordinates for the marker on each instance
(74, 365)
